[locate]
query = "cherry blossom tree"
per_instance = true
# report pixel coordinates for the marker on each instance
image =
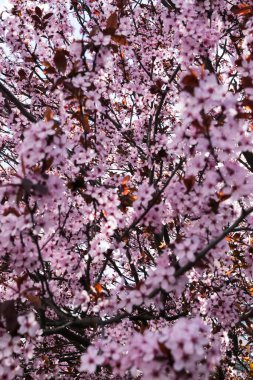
(126, 178)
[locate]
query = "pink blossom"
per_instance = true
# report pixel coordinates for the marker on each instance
(28, 325)
(90, 360)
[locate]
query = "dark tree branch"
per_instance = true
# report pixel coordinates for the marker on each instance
(213, 243)
(8, 94)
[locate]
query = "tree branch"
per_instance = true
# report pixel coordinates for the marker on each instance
(8, 94)
(213, 244)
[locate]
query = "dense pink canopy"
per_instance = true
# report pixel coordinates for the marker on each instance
(126, 190)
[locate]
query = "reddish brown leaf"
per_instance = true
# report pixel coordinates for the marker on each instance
(214, 205)
(8, 312)
(21, 279)
(35, 300)
(246, 82)
(47, 163)
(164, 349)
(248, 103)
(125, 190)
(38, 11)
(112, 21)
(36, 19)
(189, 182)
(47, 16)
(49, 70)
(11, 210)
(48, 115)
(98, 288)
(94, 31)
(121, 4)
(23, 165)
(86, 123)
(125, 180)
(22, 74)
(111, 24)
(190, 82)
(156, 87)
(245, 115)
(241, 9)
(114, 48)
(222, 196)
(60, 60)
(121, 40)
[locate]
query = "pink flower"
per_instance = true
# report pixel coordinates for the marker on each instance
(28, 325)
(90, 360)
